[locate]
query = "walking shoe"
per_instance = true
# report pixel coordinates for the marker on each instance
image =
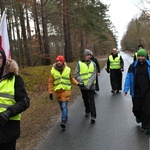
(63, 124)
(137, 120)
(147, 131)
(113, 91)
(92, 120)
(87, 114)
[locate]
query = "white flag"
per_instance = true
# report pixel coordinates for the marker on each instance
(4, 40)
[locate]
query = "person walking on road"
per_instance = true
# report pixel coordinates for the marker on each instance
(138, 80)
(85, 72)
(13, 101)
(93, 58)
(135, 55)
(60, 82)
(115, 66)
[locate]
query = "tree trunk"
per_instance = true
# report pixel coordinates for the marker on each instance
(29, 34)
(45, 33)
(66, 27)
(81, 43)
(24, 34)
(37, 30)
(19, 41)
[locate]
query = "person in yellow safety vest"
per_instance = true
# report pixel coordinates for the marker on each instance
(135, 57)
(60, 81)
(13, 101)
(115, 66)
(85, 72)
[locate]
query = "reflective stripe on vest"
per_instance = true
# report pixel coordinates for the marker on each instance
(61, 81)
(86, 71)
(114, 63)
(7, 96)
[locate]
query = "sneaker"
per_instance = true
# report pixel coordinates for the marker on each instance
(137, 120)
(63, 124)
(87, 114)
(112, 91)
(147, 131)
(92, 120)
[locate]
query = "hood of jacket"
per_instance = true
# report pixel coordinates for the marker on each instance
(11, 66)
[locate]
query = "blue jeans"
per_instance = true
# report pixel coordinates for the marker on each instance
(64, 110)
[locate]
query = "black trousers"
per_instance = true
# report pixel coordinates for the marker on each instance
(97, 85)
(8, 145)
(136, 109)
(116, 79)
(89, 103)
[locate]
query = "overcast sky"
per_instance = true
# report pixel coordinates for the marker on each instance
(121, 13)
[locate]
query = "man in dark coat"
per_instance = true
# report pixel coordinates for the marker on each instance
(138, 80)
(13, 101)
(115, 66)
(93, 58)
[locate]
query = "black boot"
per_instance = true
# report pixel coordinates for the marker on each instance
(63, 124)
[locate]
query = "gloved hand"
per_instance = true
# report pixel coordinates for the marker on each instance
(81, 84)
(107, 70)
(51, 96)
(4, 117)
(87, 89)
(122, 69)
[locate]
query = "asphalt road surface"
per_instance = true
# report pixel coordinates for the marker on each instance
(115, 127)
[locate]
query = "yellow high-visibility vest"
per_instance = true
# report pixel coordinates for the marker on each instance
(114, 63)
(86, 71)
(61, 81)
(7, 92)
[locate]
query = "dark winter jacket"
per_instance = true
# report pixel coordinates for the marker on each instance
(97, 63)
(11, 129)
(130, 77)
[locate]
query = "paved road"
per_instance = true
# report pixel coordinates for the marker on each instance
(115, 127)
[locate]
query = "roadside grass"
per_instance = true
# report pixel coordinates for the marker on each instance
(38, 120)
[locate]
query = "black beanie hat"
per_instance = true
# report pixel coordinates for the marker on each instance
(140, 46)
